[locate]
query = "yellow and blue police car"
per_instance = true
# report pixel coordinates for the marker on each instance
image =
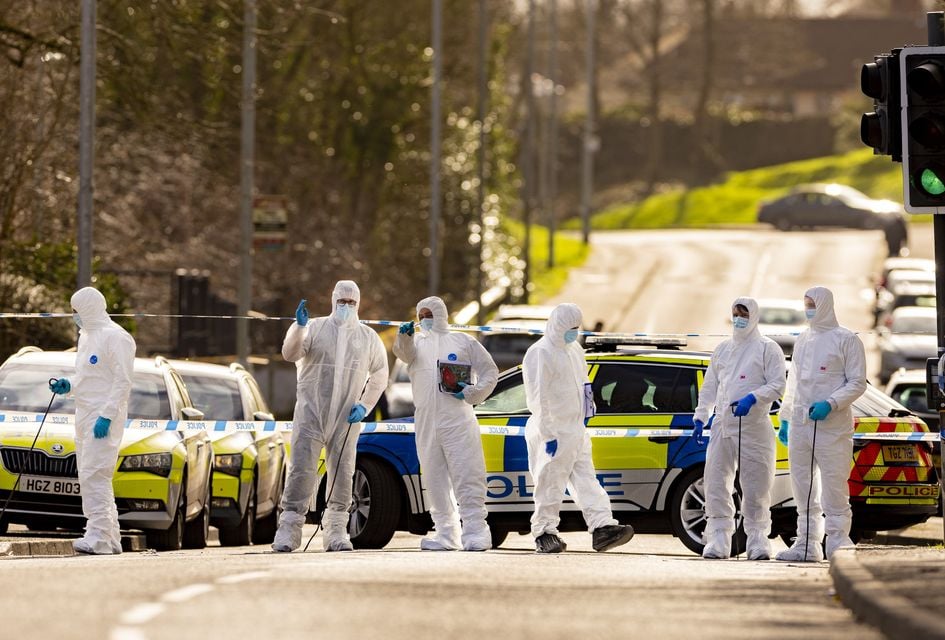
(643, 453)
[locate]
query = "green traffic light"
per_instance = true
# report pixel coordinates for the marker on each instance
(932, 183)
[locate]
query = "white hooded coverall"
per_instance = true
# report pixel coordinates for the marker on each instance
(555, 374)
(747, 363)
(339, 363)
(829, 364)
(104, 365)
(448, 440)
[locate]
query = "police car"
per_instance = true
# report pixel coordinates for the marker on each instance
(645, 460)
(162, 482)
(248, 463)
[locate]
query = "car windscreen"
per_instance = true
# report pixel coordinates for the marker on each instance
(218, 398)
(25, 387)
(876, 404)
(774, 315)
(509, 342)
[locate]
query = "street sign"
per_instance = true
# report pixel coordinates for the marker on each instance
(270, 218)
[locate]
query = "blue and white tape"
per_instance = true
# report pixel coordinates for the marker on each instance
(12, 418)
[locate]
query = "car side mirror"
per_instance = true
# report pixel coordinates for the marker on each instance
(262, 416)
(191, 413)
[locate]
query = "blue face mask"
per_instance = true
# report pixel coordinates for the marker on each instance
(570, 336)
(343, 312)
(426, 324)
(740, 322)
(810, 313)
(77, 320)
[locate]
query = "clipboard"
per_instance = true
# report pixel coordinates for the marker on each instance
(450, 374)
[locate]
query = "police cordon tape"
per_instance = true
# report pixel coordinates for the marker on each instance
(396, 323)
(12, 418)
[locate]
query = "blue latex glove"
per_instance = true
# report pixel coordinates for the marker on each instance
(551, 448)
(743, 406)
(783, 432)
(357, 413)
(62, 386)
(697, 427)
(301, 314)
(101, 427)
(461, 394)
(819, 410)
(407, 328)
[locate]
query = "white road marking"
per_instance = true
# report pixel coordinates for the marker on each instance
(127, 633)
(186, 593)
(141, 613)
(243, 577)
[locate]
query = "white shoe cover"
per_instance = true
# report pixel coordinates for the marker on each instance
(833, 546)
(796, 553)
(99, 548)
(437, 544)
(476, 536)
(289, 535)
(339, 545)
(758, 547)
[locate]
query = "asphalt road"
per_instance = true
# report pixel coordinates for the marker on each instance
(684, 281)
(652, 587)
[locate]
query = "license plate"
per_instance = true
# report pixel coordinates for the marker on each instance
(900, 453)
(56, 486)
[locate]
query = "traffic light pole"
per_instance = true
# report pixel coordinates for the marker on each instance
(936, 31)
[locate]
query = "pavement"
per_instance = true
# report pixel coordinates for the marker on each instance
(896, 583)
(26, 544)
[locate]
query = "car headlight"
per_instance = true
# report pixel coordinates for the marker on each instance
(229, 463)
(156, 463)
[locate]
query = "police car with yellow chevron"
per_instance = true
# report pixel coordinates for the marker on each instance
(646, 391)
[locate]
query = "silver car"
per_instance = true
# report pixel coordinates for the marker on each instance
(906, 340)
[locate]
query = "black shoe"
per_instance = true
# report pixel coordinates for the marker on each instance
(549, 543)
(611, 536)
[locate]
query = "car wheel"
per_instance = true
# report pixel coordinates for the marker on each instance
(197, 530)
(783, 224)
(375, 504)
(498, 536)
(171, 539)
(242, 533)
(687, 513)
(265, 530)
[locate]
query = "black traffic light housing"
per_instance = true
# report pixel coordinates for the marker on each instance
(881, 128)
(922, 70)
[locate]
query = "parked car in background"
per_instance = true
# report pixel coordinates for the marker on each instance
(653, 477)
(162, 481)
(894, 266)
(905, 288)
(508, 347)
(399, 391)
(249, 466)
(782, 319)
(836, 205)
(906, 340)
(907, 387)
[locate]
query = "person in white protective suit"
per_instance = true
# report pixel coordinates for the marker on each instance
(448, 439)
(559, 398)
(828, 373)
(104, 364)
(341, 368)
(745, 375)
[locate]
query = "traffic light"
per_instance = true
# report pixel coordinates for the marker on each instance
(880, 128)
(923, 98)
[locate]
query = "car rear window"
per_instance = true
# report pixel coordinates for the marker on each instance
(874, 403)
(914, 324)
(218, 398)
(781, 316)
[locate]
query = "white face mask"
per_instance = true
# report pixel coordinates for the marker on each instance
(343, 311)
(77, 320)
(426, 324)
